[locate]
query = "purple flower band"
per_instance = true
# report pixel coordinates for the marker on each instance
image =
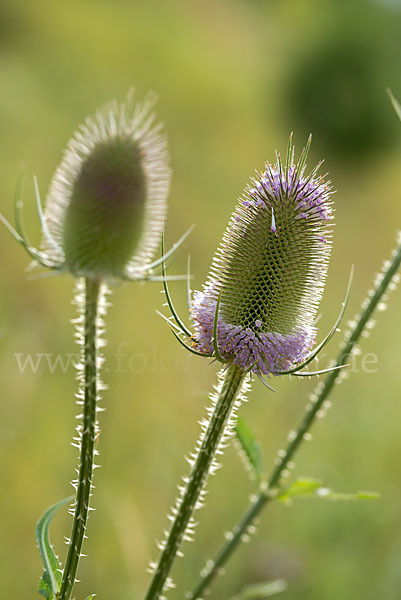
(267, 353)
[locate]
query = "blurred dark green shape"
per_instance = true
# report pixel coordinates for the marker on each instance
(105, 215)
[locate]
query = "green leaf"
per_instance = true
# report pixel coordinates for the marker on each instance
(260, 591)
(312, 488)
(91, 597)
(249, 447)
(50, 582)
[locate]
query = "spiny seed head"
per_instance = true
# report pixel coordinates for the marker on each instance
(269, 270)
(106, 205)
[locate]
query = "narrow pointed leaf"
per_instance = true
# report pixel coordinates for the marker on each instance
(49, 585)
(250, 448)
(312, 488)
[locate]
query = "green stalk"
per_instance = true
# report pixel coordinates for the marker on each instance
(225, 404)
(87, 436)
(269, 489)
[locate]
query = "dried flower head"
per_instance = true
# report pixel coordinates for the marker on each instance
(269, 271)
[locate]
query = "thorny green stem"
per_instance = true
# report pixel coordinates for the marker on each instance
(200, 470)
(88, 438)
(268, 490)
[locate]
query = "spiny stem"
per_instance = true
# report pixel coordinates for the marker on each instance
(224, 405)
(87, 435)
(268, 489)
(213, 566)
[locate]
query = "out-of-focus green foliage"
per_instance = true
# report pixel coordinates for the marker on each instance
(224, 72)
(305, 487)
(334, 87)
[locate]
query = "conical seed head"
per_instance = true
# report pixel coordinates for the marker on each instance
(107, 202)
(270, 270)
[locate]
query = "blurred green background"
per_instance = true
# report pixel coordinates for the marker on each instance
(234, 78)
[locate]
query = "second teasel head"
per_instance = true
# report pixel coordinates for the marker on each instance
(106, 206)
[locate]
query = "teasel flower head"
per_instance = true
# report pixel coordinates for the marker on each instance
(107, 202)
(258, 306)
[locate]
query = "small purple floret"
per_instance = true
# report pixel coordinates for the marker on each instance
(310, 193)
(267, 353)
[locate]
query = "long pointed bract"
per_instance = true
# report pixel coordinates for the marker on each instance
(328, 337)
(168, 297)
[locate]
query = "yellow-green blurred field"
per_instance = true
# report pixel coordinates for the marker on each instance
(234, 78)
